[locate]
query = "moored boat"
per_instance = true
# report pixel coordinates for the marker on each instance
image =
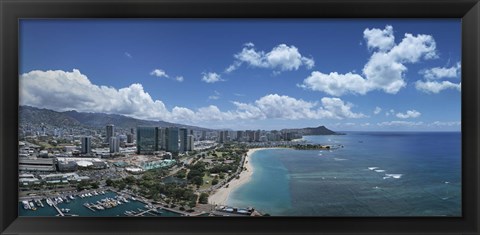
(26, 206)
(32, 206)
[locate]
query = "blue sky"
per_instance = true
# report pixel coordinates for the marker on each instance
(378, 74)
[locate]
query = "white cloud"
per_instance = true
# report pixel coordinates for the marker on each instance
(400, 123)
(211, 77)
(128, 55)
(337, 108)
(281, 58)
(439, 123)
(442, 72)
(436, 87)
(335, 84)
(276, 106)
(249, 44)
(385, 69)
(285, 107)
(379, 39)
(377, 110)
(420, 125)
(233, 67)
(432, 83)
(159, 73)
(61, 91)
(409, 114)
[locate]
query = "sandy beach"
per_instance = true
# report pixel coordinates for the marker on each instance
(220, 196)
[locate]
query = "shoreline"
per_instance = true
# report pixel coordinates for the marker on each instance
(221, 195)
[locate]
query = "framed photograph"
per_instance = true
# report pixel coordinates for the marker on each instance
(240, 117)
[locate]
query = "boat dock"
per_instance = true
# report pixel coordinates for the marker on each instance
(58, 209)
(147, 211)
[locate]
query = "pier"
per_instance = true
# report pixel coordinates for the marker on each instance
(58, 209)
(147, 211)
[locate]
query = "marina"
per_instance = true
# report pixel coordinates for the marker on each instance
(94, 203)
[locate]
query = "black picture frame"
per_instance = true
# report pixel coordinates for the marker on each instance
(13, 10)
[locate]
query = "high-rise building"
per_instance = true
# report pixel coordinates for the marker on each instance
(147, 140)
(257, 136)
(161, 139)
(86, 144)
(239, 135)
(232, 135)
(129, 138)
(171, 139)
(222, 136)
(110, 132)
(190, 141)
(250, 136)
(204, 135)
(183, 137)
(114, 145)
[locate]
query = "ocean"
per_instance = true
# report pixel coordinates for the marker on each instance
(374, 174)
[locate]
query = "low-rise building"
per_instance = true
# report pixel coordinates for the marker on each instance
(67, 166)
(27, 179)
(37, 164)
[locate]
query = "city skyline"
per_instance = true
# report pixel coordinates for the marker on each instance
(275, 74)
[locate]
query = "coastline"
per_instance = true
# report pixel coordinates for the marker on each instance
(220, 196)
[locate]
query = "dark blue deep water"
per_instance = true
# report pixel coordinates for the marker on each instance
(374, 174)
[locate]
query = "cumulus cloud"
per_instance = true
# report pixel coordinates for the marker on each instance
(128, 55)
(159, 73)
(335, 84)
(442, 72)
(281, 58)
(436, 87)
(433, 79)
(179, 78)
(385, 70)
(285, 107)
(380, 39)
(409, 114)
(337, 108)
(377, 110)
(211, 77)
(60, 90)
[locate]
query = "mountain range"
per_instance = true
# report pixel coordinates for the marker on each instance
(36, 116)
(29, 115)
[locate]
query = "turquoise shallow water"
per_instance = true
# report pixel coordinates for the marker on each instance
(375, 174)
(77, 208)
